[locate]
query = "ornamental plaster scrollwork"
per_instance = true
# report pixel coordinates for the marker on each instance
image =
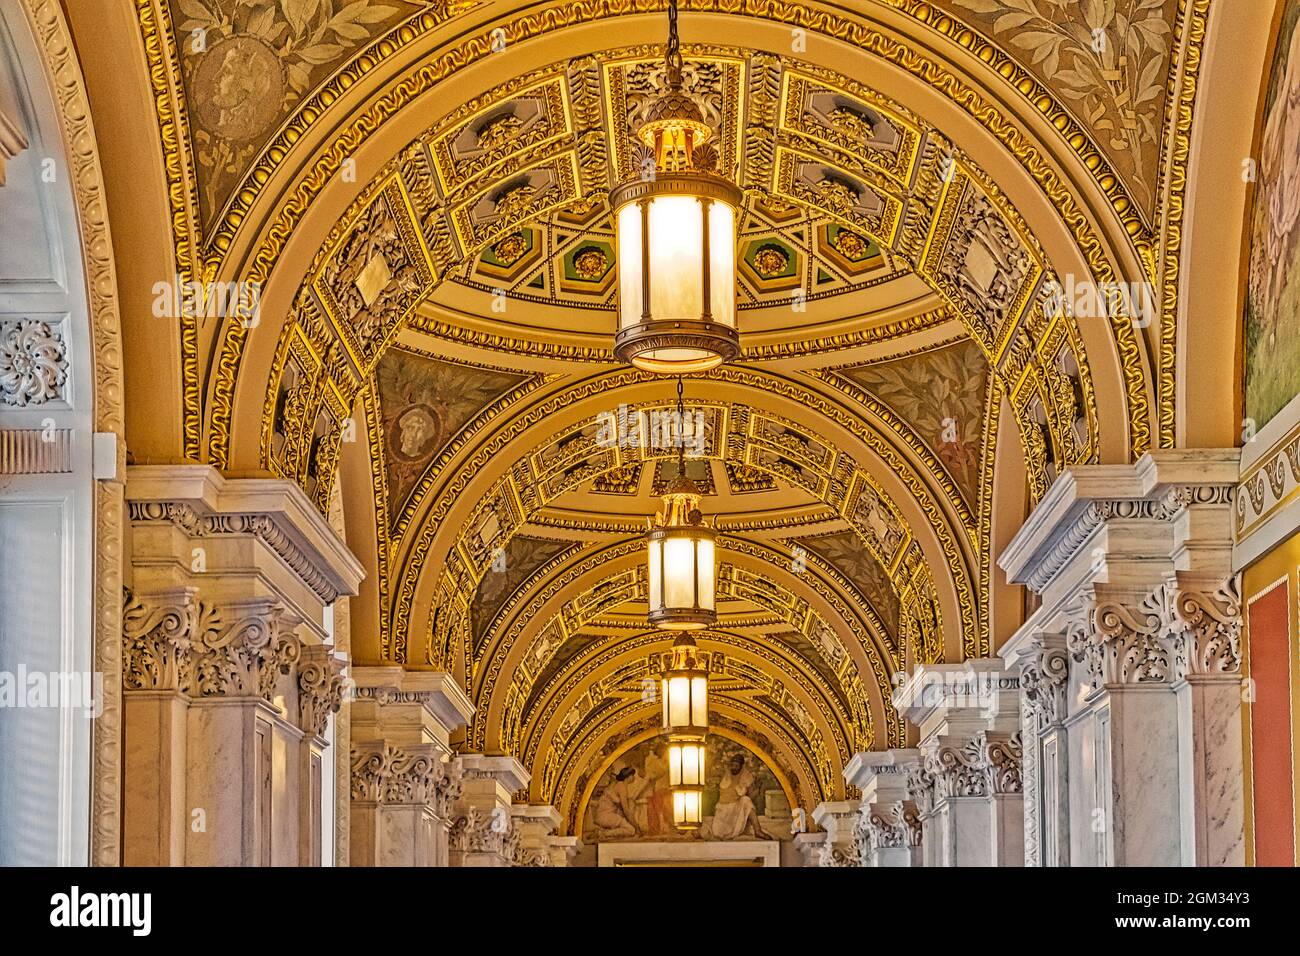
(33, 363)
(1205, 624)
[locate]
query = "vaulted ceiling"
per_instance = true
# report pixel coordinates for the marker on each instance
(419, 190)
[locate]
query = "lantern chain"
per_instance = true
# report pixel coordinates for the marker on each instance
(673, 55)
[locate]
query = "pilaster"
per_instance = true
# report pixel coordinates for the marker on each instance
(1133, 567)
(229, 676)
(405, 783)
(484, 832)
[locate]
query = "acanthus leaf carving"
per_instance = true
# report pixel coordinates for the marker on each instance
(320, 687)
(382, 773)
(1205, 622)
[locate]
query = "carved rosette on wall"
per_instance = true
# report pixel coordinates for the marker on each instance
(33, 363)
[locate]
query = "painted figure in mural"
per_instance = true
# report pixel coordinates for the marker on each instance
(735, 814)
(1272, 345)
(615, 808)
(1281, 168)
(659, 795)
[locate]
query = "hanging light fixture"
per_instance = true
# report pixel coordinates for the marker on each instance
(686, 721)
(688, 807)
(681, 551)
(685, 692)
(676, 229)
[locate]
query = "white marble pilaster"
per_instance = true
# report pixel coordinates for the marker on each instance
(1133, 564)
(839, 821)
(969, 799)
(228, 674)
(483, 832)
(889, 822)
(405, 782)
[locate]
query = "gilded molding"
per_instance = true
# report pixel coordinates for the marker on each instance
(72, 107)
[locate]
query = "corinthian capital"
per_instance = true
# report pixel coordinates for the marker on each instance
(320, 687)
(1121, 640)
(382, 773)
(1043, 677)
(241, 651)
(885, 826)
(1001, 754)
(957, 768)
(920, 786)
(157, 639)
(1204, 619)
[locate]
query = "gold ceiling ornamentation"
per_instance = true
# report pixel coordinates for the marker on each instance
(875, 44)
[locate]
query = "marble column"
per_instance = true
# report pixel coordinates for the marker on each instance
(968, 718)
(229, 680)
(405, 784)
(1133, 565)
(484, 833)
(1043, 663)
(840, 843)
(538, 843)
(1205, 616)
(889, 821)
